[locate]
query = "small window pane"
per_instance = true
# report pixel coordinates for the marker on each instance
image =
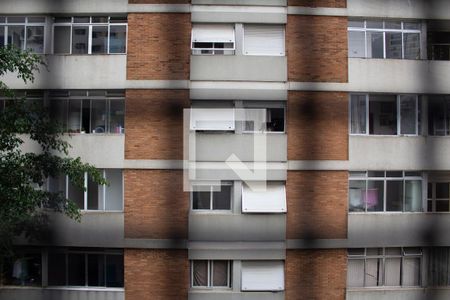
(408, 114)
(222, 199)
(373, 272)
(81, 20)
(95, 195)
(98, 116)
(374, 196)
(412, 45)
(114, 192)
(117, 39)
(80, 39)
(383, 115)
(76, 194)
(76, 271)
(442, 205)
(2, 36)
(86, 116)
(114, 271)
(116, 117)
(357, 195)
(63, 20)
(61, 40)
(411, 271)
(35, 38)
(220, 273)
(16, 19)
(375, 174)
(57, 184)
(411, 25)
(442, 190)
(2, 20)
(56, 269)
(392, 271)
(356, 44)
(99, 39)
(393, 45)
(96, 270)
(201, 200)
(374, 24)
(413, 195)
(200, 273)
(356, 23)
(99, 19)
(36, 19)
(393, 25)
(436, 117)
(58, 112)
(275, 119)
(355, 273)
(16, 36)
(358, 114)
(394, 195)
(375, 45)
(74, 121)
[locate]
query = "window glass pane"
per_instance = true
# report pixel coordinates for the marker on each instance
(438, 267)
(373, 272)
(442, 205)
(81, 19)
(35, 38)
(275, 119)
(429, 206)
(357, 195)
(411, 25)
(200, 273)
(374, 24)
(383, 115)
(374, 196)
(16, 19)
(220, 273)
(36, 19)
(355, 273)
(62, 20)
(118, 39)
(56, 269)
(356, 251)
(16, 36)
(358, 114)
(356, 23)
(98, 116)
(99, 39)
(114, 271)
(76, 195)
(2, 19)
(80, 39)
(413, 195)
(375, 173)
(408, 114)
(375, 44)
(96, 270)
(95, 195)
(374, 251)
(86, 116)
(442, 190)
(201, 199)
(24, 269)
(412, 45)
(99, 19)
(393, 25)
(114, 192)
(393, 251)
(436, 117)
(393, 45)
(61, 39)
(394, 195)
(392, 271)
(255, 119)
(116, 117)
(394, 174)
(58, 112)
(222, 199)
(76, 269)
(57, 185)
(356, 44)
(74, 122)
(2, 36)
(411, 271)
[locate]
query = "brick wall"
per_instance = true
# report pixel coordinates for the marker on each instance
(317, 204)
(319, 3)
(316, 274)
(158, 46)
(156, 274)
(317, 125)
(155, 205)
(317, 48)
(154, 123)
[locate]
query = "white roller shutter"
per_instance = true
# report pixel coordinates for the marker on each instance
(264, 40)
(217, 33)
(212, 119)
(262, 276)
(272, 200)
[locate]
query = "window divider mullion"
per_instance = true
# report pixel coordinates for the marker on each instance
(85, 192)
(90, 39)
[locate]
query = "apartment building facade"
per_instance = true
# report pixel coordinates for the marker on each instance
(338, 106)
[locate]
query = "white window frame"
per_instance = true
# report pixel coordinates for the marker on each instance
(90, 25)
(213, 49)
(212, 188)
(262, 54)
(26, 24)
(365, 177)
(434, 199)
(210, 271)
(383, 30)
(398, 105)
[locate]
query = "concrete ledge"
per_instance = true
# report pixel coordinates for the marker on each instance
(403, 293)
(158, 8)
(232, 295)
(238, 14)
(325, 165)
(317, 11)
(157, 84)
(237, 250)
(72, 7)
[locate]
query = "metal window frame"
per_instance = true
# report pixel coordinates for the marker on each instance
(26, 24)
(210, 276)
(211, 198)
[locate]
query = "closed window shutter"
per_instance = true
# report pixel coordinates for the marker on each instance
(217, 33)
(262, 276)
(270, 200)
(212, 119)
(264, 40)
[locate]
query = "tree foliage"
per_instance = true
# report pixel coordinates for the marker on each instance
(24, 199)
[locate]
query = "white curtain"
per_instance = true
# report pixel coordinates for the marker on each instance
(255, 120)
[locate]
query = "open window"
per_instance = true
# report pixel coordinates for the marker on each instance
(264, 117)
(264, 40)
(262, 276)
(212, 119)
(213, 39)
(212, 197)
(268, 199)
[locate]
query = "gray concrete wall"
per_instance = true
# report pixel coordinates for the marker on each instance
(399, 153)
(76, 72)
(219, 146)
(237, 250)
(398, 75)
(398, 229)
(253, 171)
(229, 295)
(236, 227)
(398, 294)
(242, 2)
(238, 68)
(22, 293)
(62, 6)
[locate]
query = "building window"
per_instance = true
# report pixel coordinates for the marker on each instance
(262, 276)
(211, 274)
(439, 267)
(213, 39)
(384, 39)
(264, 40)
(374, 267)
(264, 117)
(23, 269)
(88, 111)
(90, 35)
(438, 196)
(23, 33)
(439, 115)
(380, 191)
(271, 198)
(86, 268)
(94, 197)
(212, 119)
(212, 197)
(384, 114)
